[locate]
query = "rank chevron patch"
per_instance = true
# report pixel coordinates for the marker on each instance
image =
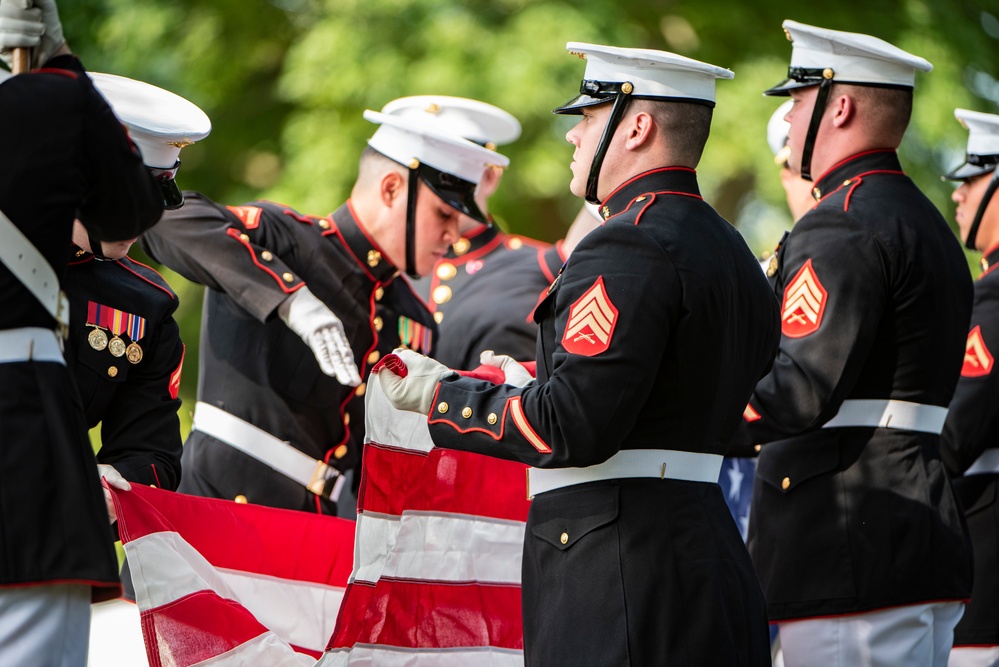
(249, 215)
(978, 360)
(591, 322)
(804, 303)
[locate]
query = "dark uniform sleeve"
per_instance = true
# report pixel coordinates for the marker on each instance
(833, 276)
(140, 430)
(581, 414)
(972, 424)
(253, 253)
(125, 199)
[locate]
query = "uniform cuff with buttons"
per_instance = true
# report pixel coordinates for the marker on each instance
(410, 379)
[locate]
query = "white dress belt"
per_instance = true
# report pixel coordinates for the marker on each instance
(30, 267)
(988, 462)
(30, 344)
(887, 413)
(653, 463)
(269, 450)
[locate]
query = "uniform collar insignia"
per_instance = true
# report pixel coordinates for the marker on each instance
(368, 255)
(676, 180)
(836, 176)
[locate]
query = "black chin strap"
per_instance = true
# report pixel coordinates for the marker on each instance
(96, 249)
(969, 243)
(621, 100)
(412, 191)
(813, 126)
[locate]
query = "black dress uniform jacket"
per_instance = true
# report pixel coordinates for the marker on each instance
(876, 295)
(459, 292)
(679, 325)
(133, 396)
(251, 258)
(972, 427)
(494, 309)
(65, 155)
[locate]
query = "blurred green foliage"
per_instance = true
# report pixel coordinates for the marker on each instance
(285, 82)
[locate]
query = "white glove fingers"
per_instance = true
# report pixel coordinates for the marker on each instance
(347, 370)
(113, 477)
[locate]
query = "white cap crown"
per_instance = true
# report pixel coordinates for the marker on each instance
(643, 73)
(846, 57)
(983, 144)
(476, 121)
(158, 121)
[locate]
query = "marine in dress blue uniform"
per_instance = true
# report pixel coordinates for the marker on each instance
(65, 156)
(969, 444)
(480, 246)
(644, 354)
(852, 511)
(260, 386)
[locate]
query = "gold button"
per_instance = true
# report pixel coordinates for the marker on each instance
(438, 317)
(466, 412)
(827, 73)
(288, 277)
(112, 371)
(492, 418)
(442, 294)
(324, 223)
(846, 182)
(564, 539)
(374, 356)
(361, 388)
(346, 419)
(244, 237)
(378, 322)
(785, 483)
(374, 257)
(462, 246)
(340, 452)
(266, 256)
(241, 499)
(605, 211)
(446, 271)
(627, 87)
(642, 198)
(515, 243)
(816, 194)
(757, 448)
(442, 407)
(379, 293)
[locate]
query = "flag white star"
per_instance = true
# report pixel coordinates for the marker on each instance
(735, 476)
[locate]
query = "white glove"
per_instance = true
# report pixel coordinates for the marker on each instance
(114, 479)
(515, 373)
(25, 26)
(411, 379)
(323, 332)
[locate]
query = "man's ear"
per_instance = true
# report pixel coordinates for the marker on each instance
(844, 109)
(391, 186)
(638, 127)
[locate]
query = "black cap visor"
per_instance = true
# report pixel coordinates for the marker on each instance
(974, 165)
(456, 192)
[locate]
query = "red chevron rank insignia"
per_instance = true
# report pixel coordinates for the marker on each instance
(978, 360)
(250, 215)
(804, 303)
(591, 322)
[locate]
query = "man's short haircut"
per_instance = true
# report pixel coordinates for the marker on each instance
(373, 164)
(887, 110)
(685, 127)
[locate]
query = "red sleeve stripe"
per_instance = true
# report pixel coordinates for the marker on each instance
(235, 234)
(520, 421)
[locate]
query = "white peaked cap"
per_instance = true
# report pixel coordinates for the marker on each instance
(476, 121)
(777, 131)
(404, 140)
(852, 58)
(652, 74)
(983, 144)
(158, 121)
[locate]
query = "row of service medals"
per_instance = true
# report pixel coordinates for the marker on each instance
(98, 340)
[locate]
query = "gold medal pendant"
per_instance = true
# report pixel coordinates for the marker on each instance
(116, 347)
(97, 339)
(133, 353)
